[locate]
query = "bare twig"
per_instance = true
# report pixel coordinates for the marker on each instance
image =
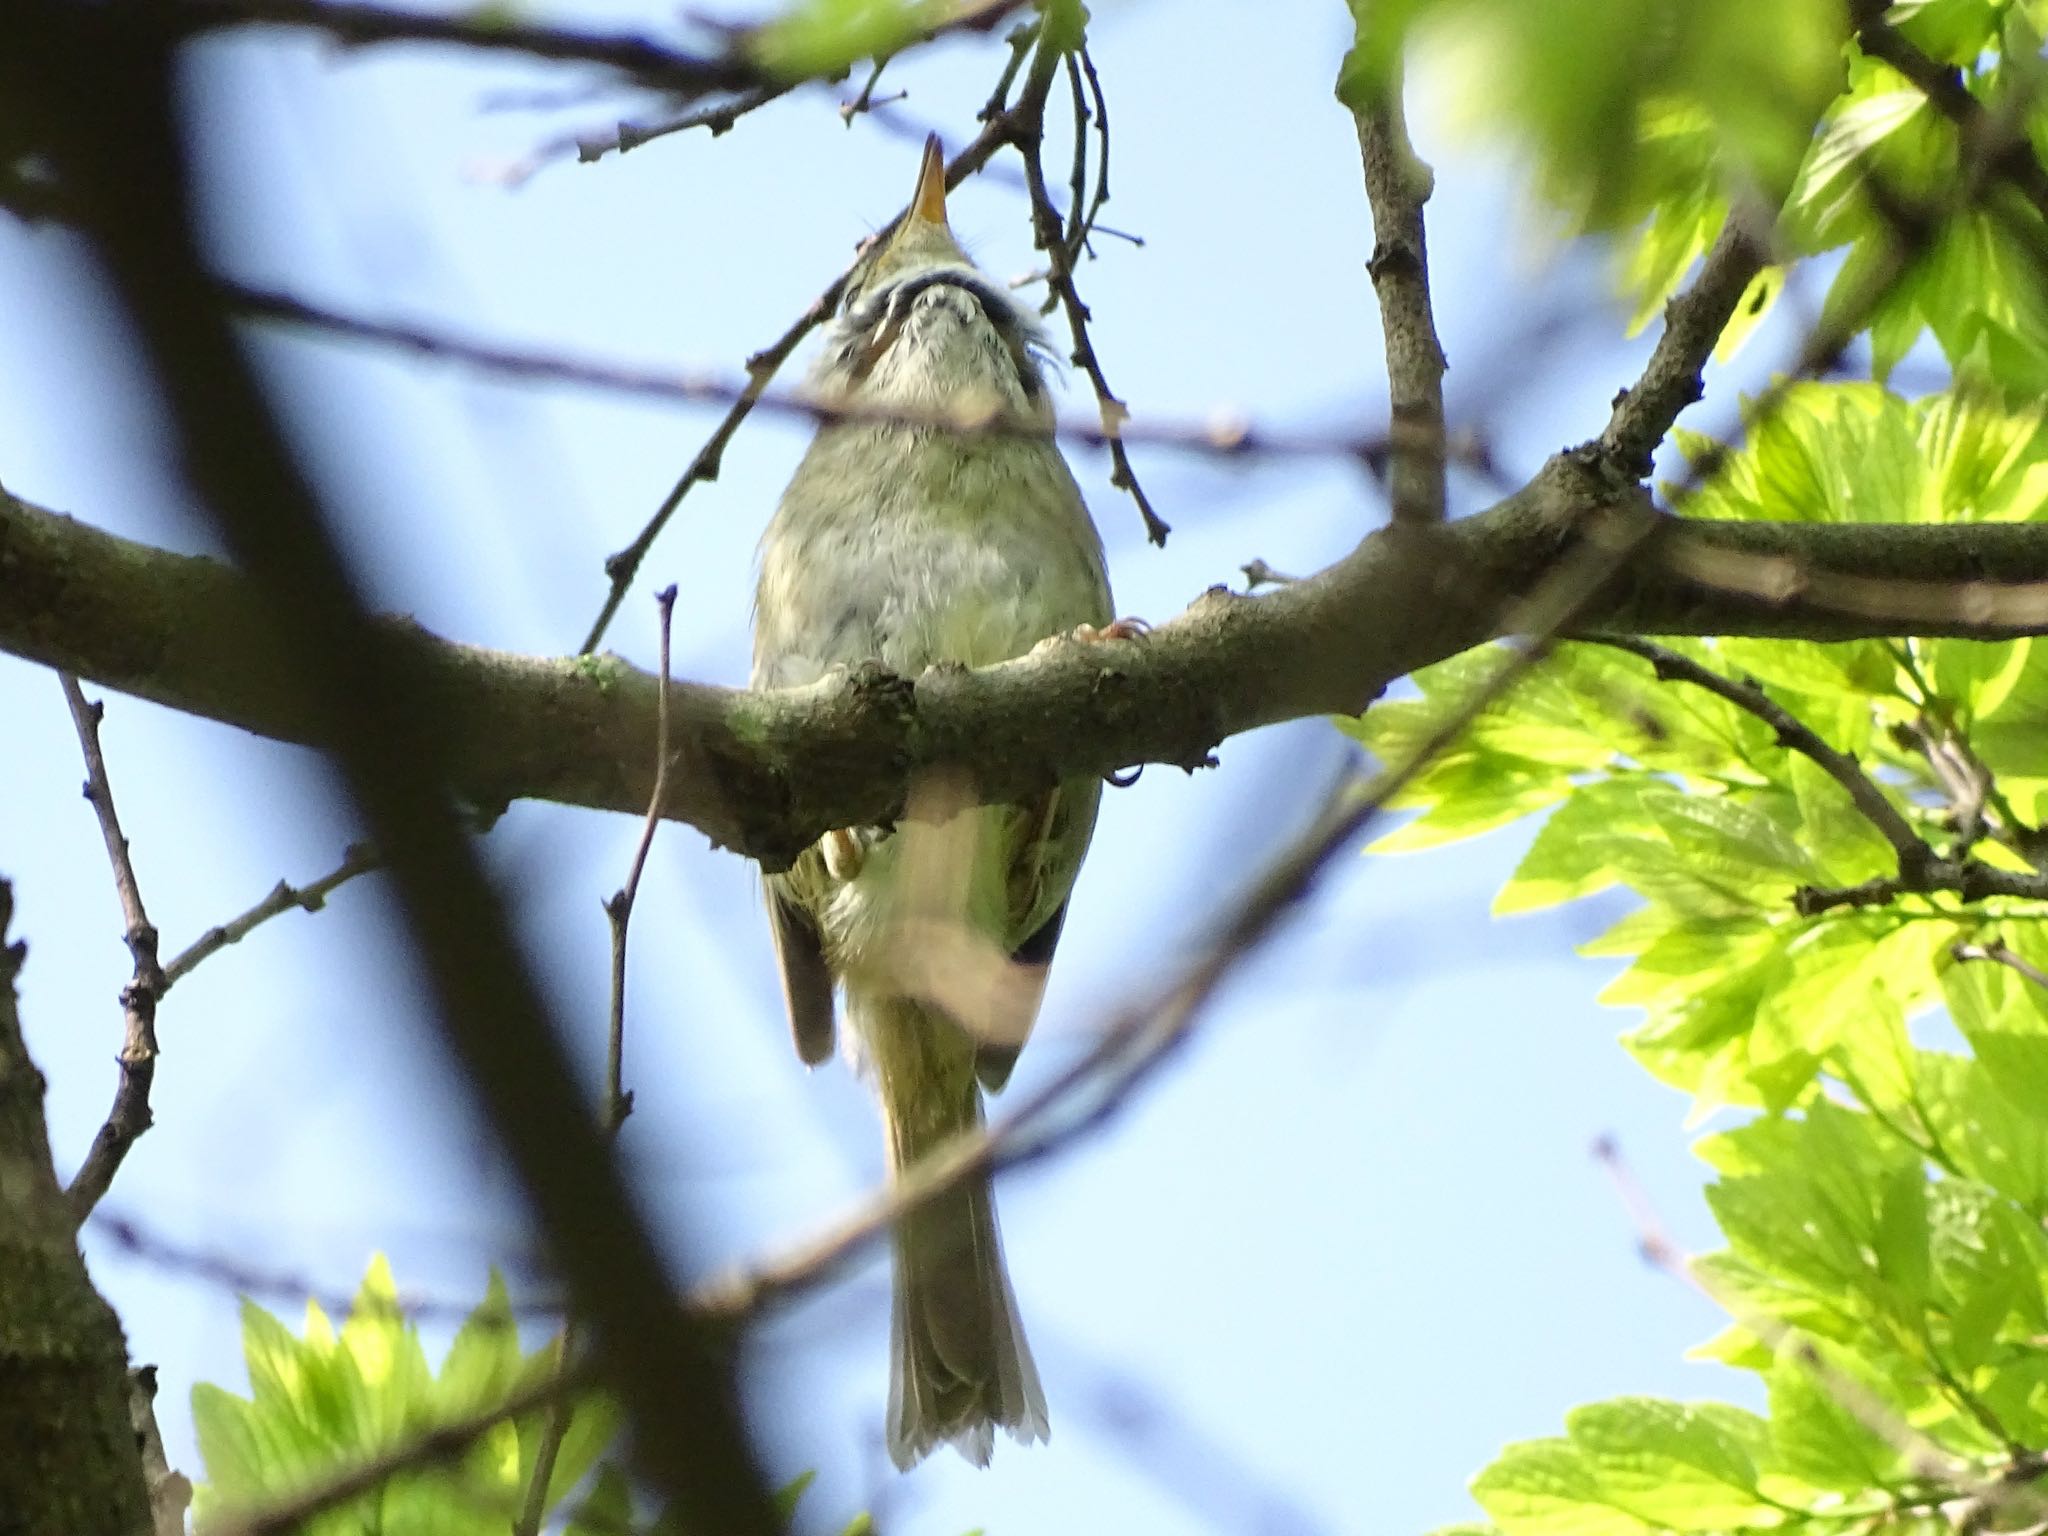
(619, 909)
(238, 1277)
(1643, 414)
(1259, 574)
(310, 897)
(627, 134)
(129, 1117)
(1912, 850)
(1398, 185)
(1025, 129)
(352, 24)
(1999, 954)
(1222, 435)
(864, 101)
(170, 1492)
(1965, 777)
(616, 1102)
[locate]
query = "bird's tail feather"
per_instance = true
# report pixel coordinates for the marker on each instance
(960, 1364)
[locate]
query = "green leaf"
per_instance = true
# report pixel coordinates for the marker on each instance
(1817, 1435)
(1681, 1467)
(1756, 303)
(1574, 853)
(1802, 1198)
(791, 1494)
(1900, 1242)
(821, 38)
(1952, 31)
(1550, 1488)
(1995, 1138)
(2005, 1018)
(484, 1360)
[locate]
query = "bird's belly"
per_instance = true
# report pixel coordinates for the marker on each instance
(972, 565)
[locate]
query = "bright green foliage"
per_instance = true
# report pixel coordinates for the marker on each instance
(332, 1400)
(1628, 108)
(823, 38)
(1886, 1266)
(1691, 802)
(335, 1398)
(1683, 110)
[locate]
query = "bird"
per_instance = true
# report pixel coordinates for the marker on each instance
(905, 542)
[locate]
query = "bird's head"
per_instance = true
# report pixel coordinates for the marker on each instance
(922, 324)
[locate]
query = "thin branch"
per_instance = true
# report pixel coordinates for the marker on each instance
(616, 1103)
(170, 1492)
(589, 146)
(1220, 435)
(1693, 323)
(1997, 142)
(619, 909)
(235, 1276)
(1025, 129)
(1998, 954)
(641, 59)
(1912, 850)
(864, 101)
(359, 859)
(129, 1117)
(1397, 186)
(1968, 879)
(1965, 777)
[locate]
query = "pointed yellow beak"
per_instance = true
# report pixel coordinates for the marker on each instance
(928, 202)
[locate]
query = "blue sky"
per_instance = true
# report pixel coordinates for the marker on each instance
(1347, 1245)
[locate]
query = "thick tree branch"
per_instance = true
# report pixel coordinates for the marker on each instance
(767, 773)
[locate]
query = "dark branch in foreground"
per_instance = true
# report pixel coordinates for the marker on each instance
(96, 91)
(643, 60)
(767, 773)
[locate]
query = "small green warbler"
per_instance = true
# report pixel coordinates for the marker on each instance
(903, 543)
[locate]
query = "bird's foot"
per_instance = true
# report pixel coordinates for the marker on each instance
(1095, 634)
(845, 853)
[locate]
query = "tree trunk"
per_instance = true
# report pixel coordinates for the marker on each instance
(68, 1458)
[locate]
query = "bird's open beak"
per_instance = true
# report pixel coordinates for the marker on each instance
(928, 202)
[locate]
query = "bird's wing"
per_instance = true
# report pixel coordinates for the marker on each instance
(806, 979)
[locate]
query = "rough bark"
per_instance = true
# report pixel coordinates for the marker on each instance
(766, 773)
(69, 1461)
